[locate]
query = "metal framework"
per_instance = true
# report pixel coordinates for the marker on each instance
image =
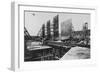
(26, 34)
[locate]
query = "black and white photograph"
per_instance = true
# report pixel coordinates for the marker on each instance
(50, 36)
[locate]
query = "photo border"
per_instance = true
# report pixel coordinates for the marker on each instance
(16, 58)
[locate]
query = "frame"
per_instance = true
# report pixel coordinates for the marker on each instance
(18, 23)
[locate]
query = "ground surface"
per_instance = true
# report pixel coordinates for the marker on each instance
(77, 53)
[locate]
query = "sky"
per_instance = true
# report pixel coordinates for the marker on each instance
(34, 20)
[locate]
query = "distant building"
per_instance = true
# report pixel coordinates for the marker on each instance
(66, 29)
(81, 34)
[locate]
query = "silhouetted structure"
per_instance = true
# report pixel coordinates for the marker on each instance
(56, 27)
(26, 34)
(66, 29)
(48, 30)
(43, 31)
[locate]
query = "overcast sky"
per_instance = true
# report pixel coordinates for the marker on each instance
(34, 20)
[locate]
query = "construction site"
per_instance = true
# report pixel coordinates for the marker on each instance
(55, 41)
